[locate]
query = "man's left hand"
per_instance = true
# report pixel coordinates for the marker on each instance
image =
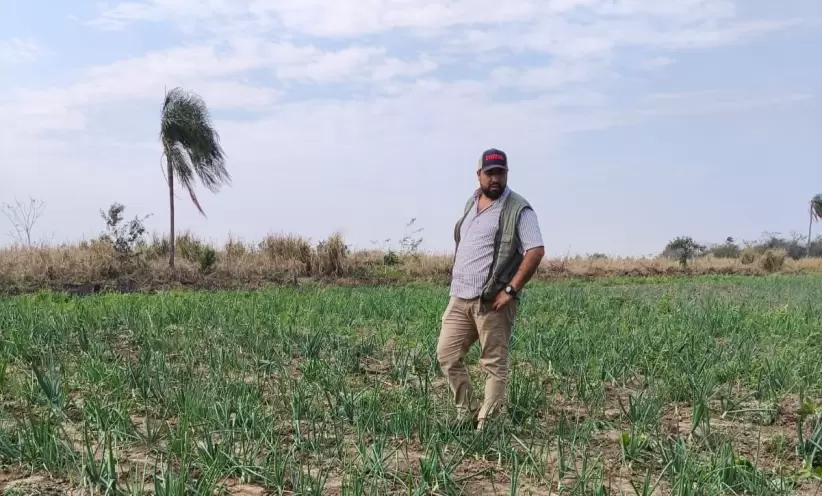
(501, 300)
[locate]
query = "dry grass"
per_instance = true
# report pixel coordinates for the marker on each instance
(281, 259)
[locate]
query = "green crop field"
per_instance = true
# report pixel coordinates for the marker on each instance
(701, 386)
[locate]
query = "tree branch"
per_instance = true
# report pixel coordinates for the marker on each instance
(23, 217)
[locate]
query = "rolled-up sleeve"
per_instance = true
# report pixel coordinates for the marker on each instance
(528, 230)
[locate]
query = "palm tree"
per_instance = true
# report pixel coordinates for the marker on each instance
(815, 210)
(191, 147)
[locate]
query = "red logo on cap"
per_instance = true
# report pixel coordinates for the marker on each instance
(494, 156)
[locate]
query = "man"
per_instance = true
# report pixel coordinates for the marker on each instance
(498, 249)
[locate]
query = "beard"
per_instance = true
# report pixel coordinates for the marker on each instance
(493, 194)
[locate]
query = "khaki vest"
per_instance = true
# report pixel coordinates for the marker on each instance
(507, 257)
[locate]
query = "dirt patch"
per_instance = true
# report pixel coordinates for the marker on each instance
(237, 489)
(34, 485)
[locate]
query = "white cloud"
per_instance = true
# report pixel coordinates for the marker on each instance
(391, 68)
(657, 62)
(234, 95)
(712, 102)
(17, 50)
(560, 37)
(557, 75)
(565, 27)
(581, 37)
(322, 18)
(215, 70)
(683, 10)
(705, 37)
(125, 13)
(330, 67)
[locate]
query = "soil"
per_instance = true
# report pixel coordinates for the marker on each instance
(756, 442)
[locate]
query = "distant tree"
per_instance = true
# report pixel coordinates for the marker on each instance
(795, 247)
(124, 238)
(684, 248)
(815, 210)
(191, 147)
(728, 249)
(23, 216)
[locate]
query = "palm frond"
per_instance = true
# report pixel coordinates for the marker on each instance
(191, 142)
(182, 164)
(816, 207)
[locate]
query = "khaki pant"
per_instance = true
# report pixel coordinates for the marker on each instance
(463, 323)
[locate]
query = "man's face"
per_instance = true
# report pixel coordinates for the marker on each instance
(493, 182)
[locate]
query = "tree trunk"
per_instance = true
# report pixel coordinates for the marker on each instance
(171, 236)
(810, 226)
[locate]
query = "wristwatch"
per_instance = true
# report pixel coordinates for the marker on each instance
(510, 290)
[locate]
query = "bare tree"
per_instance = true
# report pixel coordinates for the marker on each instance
(23, 216)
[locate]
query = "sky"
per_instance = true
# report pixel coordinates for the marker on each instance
(626, 122)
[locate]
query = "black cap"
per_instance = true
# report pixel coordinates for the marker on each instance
(493, 159)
